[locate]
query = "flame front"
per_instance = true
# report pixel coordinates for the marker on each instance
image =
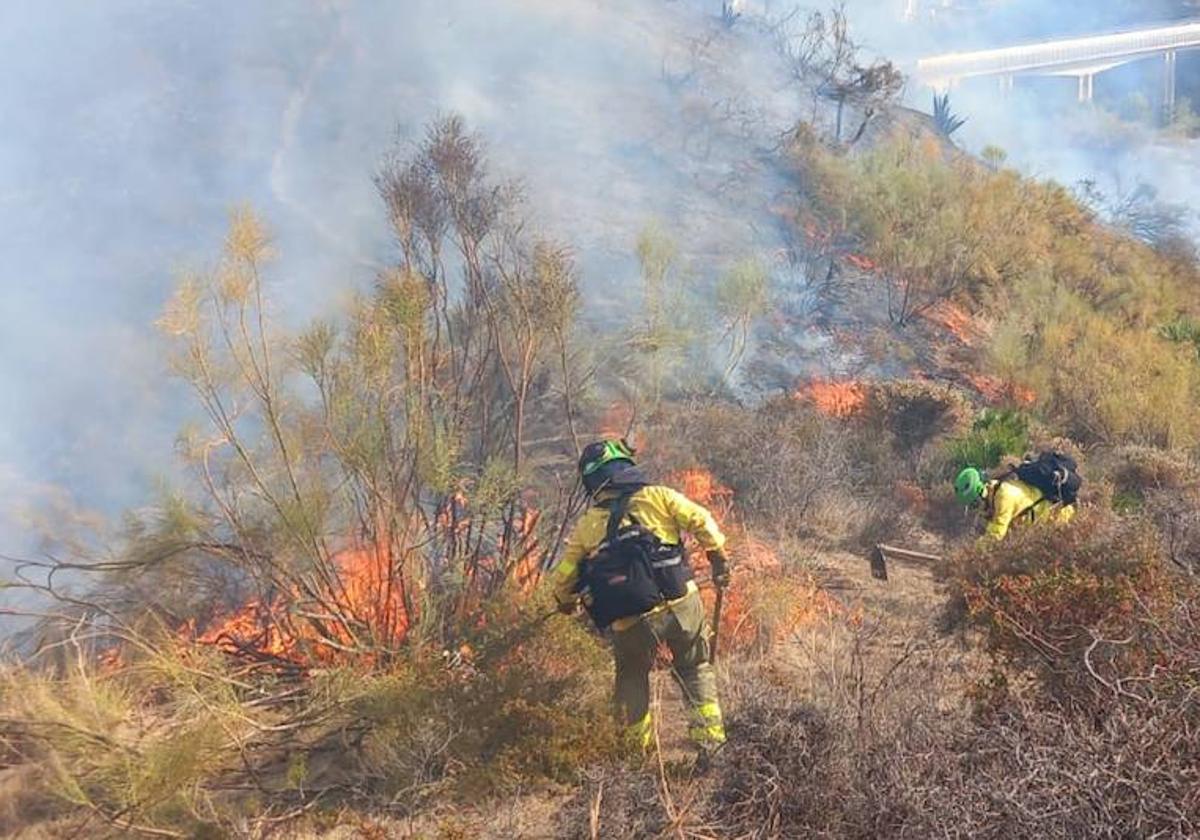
(362, 604)
(359, 607)
(835, 398)
(765, 601)
(999, 392)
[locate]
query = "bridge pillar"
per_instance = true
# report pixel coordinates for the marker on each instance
(1006, 84)
(1087, 87)
(1169, 78)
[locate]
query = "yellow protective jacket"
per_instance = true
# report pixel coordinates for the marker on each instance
(665, 512)
(1010, 499)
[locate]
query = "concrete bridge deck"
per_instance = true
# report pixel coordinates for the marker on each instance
(1082, 57)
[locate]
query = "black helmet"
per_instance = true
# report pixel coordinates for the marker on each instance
(601, 461)
(595, 455)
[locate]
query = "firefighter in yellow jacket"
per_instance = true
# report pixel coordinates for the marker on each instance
(626, 564)
(1006, 501)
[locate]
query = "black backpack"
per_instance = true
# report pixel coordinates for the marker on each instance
(631, 572)
(1055, 474)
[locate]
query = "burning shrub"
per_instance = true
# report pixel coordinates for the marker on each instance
(839, 399)
(357, 509)
(766, 601)
(956, 321)
(359, 488)
(174, 738)
(1000, 392)
(765, 606)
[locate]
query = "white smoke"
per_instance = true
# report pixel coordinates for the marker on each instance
(132, 127)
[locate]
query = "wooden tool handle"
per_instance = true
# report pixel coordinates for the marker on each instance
(911, 555)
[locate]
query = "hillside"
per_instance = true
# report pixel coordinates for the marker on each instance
(339, 623)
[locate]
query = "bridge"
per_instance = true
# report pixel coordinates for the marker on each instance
(1084, 58)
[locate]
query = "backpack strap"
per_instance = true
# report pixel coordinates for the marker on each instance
(617, 512)
(1030, 511)
(989, 504)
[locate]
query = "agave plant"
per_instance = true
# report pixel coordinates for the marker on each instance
(944, 120)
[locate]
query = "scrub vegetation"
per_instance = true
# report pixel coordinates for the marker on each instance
(339, 625)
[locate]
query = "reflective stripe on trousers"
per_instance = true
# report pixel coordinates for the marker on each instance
(640, 734)
(682, 626)
(707, 726)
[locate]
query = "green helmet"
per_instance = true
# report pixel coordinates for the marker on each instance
(969, 485)
(596, 455)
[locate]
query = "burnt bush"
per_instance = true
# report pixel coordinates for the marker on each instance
(778, 767)
(1176, 514)
(1163, 486)
(523, 701)
(1137, 471)
(616, 801)
(1095, 662)
(913, 412)
(1053, 602)
(787, 464)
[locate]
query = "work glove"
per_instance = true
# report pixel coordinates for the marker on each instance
(719, 563)
(568, 607)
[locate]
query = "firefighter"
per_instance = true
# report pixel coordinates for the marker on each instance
(1008, 499)
(625, 563)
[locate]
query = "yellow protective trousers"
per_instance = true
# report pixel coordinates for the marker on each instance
(682, 626)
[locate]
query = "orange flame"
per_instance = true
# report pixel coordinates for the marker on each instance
(764, 602)
(955, 320)
(862, 263)
(702, 487)
(845, 398)
(527, 568)
(364, 605)
(999, 392)
(111, 660)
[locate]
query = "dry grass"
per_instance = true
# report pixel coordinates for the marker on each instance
(863, 721)
(170, 741)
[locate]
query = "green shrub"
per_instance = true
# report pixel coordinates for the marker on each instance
(166, 737)
(1111, 385)
(1182, 330)
(995, 434)
(524, 700)
(140, 744)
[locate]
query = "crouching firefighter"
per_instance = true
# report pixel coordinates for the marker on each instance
(625, 561)
(1044, 488)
